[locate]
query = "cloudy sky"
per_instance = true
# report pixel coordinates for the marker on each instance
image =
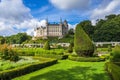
(24, 15)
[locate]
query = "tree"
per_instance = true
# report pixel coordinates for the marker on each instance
(2, 40)
(47, 45)
(18, 38)
(82, 43)
(71, 31)
(107, 29)
(87, 27)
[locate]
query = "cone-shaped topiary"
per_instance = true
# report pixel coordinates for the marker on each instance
(47, 45)
(82, 43)
(70, 48)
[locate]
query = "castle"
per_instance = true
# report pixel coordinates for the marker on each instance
(51, 30)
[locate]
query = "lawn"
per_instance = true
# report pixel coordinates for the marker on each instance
(69, 70)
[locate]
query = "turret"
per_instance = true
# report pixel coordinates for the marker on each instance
(46, 22)
(65, 23)
(61, 22)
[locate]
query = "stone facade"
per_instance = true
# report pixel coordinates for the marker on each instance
(51, 30)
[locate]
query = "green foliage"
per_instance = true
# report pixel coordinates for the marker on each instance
(114, 70)
(86, 59)
(8, 53)
(82, 43)
(58, 57)
(108, 29)
(38, 51)
(9, 74)
(115, 55)
(70, 48)
(2, 40)
(7, 65)
(87, 27)
(47, 45)
(109, 48)
(18, 38)
(71, 31)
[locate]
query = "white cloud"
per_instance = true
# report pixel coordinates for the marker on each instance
(28, 26)
(13, 11)
(70, 4)
(102, 10)
(72, 26)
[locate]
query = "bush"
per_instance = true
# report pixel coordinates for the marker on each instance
(114, 70)
(70, 48)
(58, 57)
(109, 48)
(8, 53)
(115, 55)
(82, 43)
(9, 74)
(86, 59)
(47, 45)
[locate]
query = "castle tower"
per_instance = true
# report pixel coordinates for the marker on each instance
(65, 23)
(46, 22)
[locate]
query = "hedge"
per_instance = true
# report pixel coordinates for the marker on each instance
(114, 70)
(58, 57)
(9, 74)
(32, 52)
(86, 59)
(117, 63)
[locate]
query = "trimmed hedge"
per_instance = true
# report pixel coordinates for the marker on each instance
(32, 52)
(9, 74)
(82, 43)
(114, 70)
(58, 57)
(86, 59)
(117, 63)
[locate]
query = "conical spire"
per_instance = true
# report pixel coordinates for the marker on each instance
(60, 20)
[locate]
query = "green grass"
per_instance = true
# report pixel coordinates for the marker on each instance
(69, 70)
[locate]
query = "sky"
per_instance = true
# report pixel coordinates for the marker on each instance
(25, 15)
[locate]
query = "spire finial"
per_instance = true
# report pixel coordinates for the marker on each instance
(60, 20)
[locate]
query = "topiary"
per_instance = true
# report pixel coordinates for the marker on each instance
(47, 45)
(115, 55)
(82, 43)
(109, 48)
(70, 48)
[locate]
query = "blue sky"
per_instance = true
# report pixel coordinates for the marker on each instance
(24, 15)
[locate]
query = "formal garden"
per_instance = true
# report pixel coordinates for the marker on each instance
(82, 60)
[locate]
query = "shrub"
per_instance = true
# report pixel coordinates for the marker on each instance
(82, 43)
(47, 45)
(58, 57)
(9, 74)
(109, 48)
(8, 53)
(115, 55)
(114, 70)
(70, 48)
(86, 59)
